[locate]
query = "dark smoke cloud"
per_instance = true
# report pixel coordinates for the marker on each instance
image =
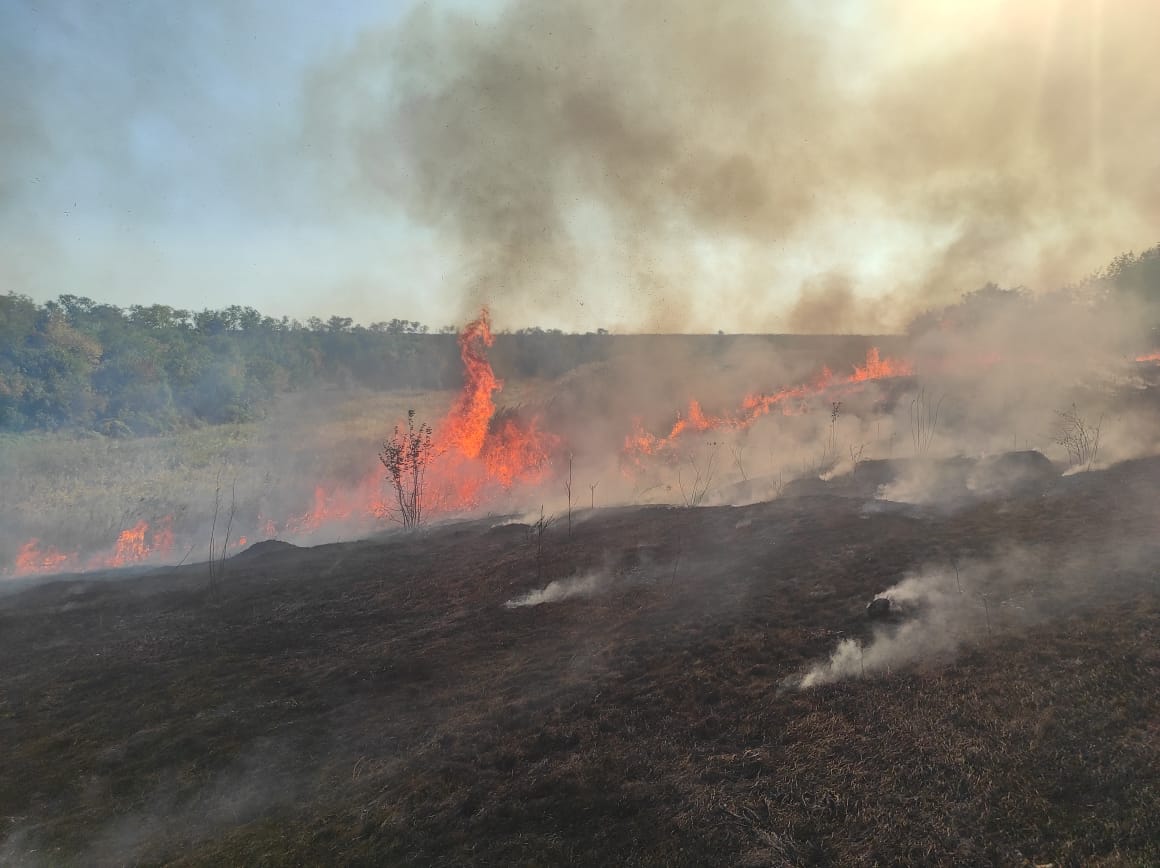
(584, 149)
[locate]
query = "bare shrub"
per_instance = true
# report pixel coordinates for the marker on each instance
(406, 456)
(698, 487)
(924, 410)
(536, 534)
(217, 559)
(1078, 436)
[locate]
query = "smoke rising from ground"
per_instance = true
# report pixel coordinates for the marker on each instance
(561, 589)
(695, 158)
(943, 608)
(945, 616)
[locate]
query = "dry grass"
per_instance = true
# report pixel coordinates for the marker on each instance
(79, 491)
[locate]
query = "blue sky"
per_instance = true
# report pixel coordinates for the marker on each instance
(156, 155)
(235, 151)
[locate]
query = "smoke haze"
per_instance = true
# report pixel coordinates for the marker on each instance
(675, 162)
(656, 166)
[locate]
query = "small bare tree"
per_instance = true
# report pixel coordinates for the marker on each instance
(217, 559)
(406, 456)
(1078, 436)
(856, 453)
(536, 535)
(924, 410)
(568, 489)
(738, 452)
(694, 495)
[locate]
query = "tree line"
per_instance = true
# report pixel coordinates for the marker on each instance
(147, 369)
(77, 363)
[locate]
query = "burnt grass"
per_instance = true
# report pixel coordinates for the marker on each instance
(376, 703)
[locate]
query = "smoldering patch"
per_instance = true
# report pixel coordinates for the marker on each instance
(587, 585)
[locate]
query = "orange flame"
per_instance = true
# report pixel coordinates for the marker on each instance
(479, 449)
(465, 426)
(139, 544)
(34, 560)
(480, 452)
(789, 400)
(130, 545)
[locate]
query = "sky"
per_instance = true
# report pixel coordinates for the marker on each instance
(667, 166)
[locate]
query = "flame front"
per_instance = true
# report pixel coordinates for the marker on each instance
(481, 454)
(789, 400)
(139, 544)
(34, 560)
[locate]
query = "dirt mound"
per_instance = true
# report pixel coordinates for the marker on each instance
(265, 548)
(1012, 472)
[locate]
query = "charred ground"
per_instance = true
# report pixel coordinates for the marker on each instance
(375, 702)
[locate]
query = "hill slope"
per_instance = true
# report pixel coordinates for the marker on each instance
(389, 701)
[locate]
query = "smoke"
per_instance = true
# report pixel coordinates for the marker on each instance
(651, 166)
(943, 612)
(560, 589)
(173, 815)
(941, 609)
(677, 163)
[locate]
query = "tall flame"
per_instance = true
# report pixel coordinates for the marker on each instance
(480, 450)
(465, 427)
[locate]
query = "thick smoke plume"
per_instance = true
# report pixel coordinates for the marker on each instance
(700, 156)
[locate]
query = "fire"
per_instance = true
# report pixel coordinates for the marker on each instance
(130, 545)
(511, 450)
(331, 506)
(518, 452)
(789, 400)
(465, 427)
(139, 544)
(878, 368)
(34, 560)
(481, 453)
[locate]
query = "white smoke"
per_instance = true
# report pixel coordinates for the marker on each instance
(940, 610)
(561, 589)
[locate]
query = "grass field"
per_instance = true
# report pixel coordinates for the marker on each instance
(79, 491)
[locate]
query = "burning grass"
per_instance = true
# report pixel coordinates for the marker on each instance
(309, 468)
(76, 495)
(309, 472)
